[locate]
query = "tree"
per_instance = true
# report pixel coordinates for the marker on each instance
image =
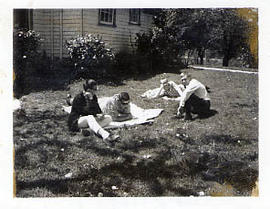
(193, 27)
(229, 34)
(160, 45)
(177, 32)
(200, 29)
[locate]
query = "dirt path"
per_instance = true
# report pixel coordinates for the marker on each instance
(221, 69)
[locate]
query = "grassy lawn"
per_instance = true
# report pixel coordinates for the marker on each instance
(213, 156)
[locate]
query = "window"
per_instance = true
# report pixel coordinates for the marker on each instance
(107, 16)
(134, 16)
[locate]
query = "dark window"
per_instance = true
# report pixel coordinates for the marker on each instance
(107, 16)
(134, 16)
(23, 18)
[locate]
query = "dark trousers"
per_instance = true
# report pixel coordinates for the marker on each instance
(197, 105)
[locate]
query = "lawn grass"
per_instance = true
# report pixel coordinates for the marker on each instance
(169, 157)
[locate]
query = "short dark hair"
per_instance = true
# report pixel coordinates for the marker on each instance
(124, 96)
(89, 84)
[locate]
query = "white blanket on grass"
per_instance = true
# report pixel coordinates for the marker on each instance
(141, 116)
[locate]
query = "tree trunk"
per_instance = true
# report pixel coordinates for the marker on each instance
(225, 61)
(201, 55)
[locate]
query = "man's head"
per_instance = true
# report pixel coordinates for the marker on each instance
(185, 78)
(165, 83)
(124, 98)
(90, 85)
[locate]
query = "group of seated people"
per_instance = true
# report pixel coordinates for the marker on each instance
(86, 112)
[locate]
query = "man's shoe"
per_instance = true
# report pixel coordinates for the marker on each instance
(85, 132)
(188, 117)
(113, 138)
(179, 115)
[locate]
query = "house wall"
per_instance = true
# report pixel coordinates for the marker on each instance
(58, 25)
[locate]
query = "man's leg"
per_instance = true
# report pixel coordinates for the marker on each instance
(90, 121)
(106, 120)
(197, 105)
(204, 108)
(189, 106)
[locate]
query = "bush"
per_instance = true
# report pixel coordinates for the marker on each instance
(89, 55)
(25, 54)
(129, 64)
(160, 49)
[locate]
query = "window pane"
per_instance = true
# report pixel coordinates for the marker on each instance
(101, 16)
(106, 15)
(110, 17)
(134, 15)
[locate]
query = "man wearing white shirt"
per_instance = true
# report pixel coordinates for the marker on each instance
(195, 98)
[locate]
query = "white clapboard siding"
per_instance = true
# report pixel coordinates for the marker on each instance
(56, 26)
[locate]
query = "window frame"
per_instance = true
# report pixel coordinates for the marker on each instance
(107, 23)
(138, 22)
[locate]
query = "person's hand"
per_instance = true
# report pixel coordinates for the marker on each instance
(100, 116)
(88, 95)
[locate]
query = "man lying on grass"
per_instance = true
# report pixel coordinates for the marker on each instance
(86, 113)
(167, 89)
(170, 89)
(195, 98)
(118, 107)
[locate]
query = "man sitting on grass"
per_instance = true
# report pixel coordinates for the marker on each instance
(195, 98)
(118, 107)
(86, 113)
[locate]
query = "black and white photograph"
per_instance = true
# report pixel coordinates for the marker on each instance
(135, 102)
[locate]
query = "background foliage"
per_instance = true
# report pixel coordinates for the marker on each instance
(190, 32)
(25, 57)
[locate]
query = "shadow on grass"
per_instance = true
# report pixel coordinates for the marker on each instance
(210, 114)
(226, 139)
(236, 173)
(168, 164)
(145, 170)
(36, 116)
(21, 161)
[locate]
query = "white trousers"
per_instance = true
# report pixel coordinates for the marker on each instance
(95, 124)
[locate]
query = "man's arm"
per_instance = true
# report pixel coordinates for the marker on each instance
(190, 89)
(176, 87)
(122, 117)
(85, 106)
(122, 113)
(159, 93)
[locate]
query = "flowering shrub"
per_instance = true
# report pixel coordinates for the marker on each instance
(26, 43)
(89, 55)
(25, 54)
